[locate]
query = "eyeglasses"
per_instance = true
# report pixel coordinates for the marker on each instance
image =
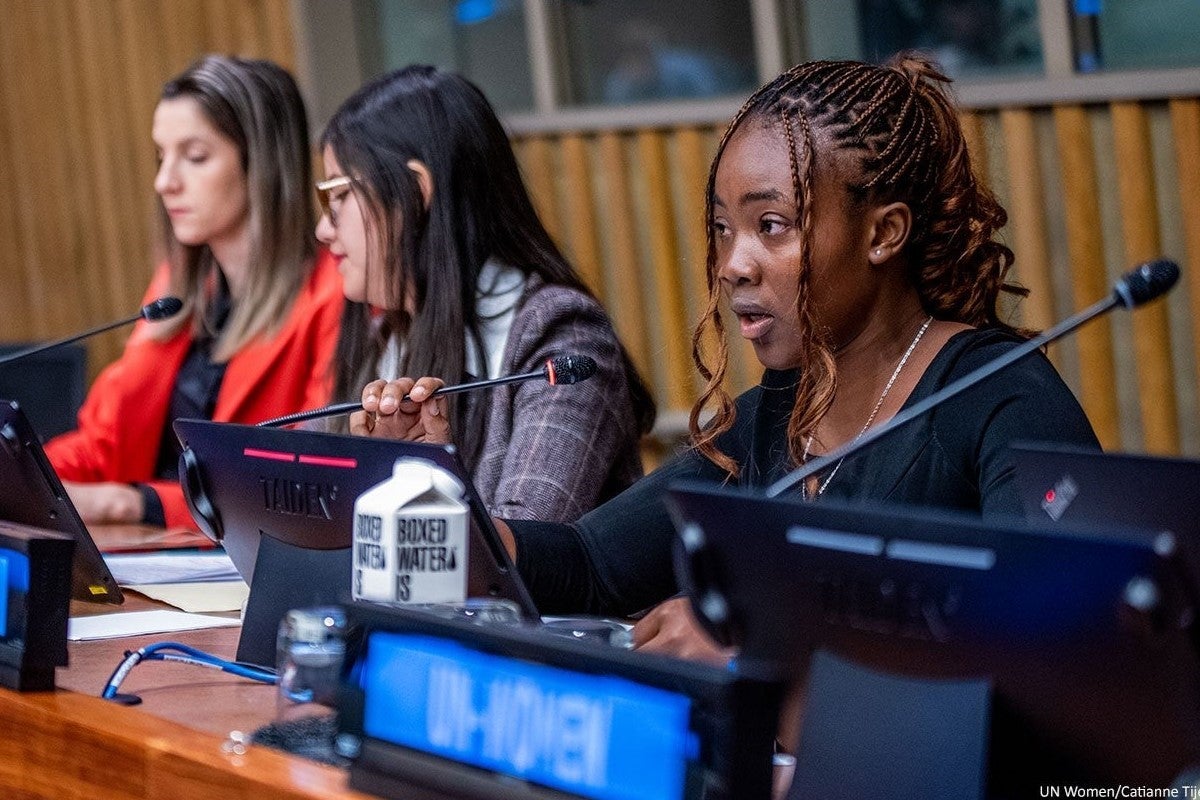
(325, 193)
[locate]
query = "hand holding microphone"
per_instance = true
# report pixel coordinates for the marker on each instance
(416, 410)
(406, 408)
(562, 370)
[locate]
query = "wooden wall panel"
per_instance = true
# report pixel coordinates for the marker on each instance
(278, 33)
(1027, 215)
(140, 25)
(117, 140)
(1185, 126)
(669, 314)
(25, 253)
(79, 80)
(43, 177)
(187, 30)
(973, 132)
(584, 247)
(1085, 245)
(12, 263)
(536, 156)
(628, 305)
(1140, 226)
(693, 160)
(85, 258)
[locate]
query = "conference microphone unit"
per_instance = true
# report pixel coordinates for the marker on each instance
(559, 371)
(1140, 285)
(162, 308)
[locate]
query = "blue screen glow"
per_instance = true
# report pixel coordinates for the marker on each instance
(470, 12)
(3, 595)
(595, 736)
(14, 576)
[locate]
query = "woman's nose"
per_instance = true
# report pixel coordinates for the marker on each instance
(326, 233)
(165, 179)
(738, 264)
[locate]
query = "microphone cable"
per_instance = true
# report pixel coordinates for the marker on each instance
(182, 654)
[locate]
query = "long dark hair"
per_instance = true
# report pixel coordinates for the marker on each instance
(479, 209)
(901, 123)
(257, 106)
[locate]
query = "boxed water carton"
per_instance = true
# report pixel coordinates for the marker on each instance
(410, 537)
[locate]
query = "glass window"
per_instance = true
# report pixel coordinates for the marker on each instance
(483, 40)
(1135, 34)
(968, 37)
(631, 51)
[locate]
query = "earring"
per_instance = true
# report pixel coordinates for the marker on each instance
(878, 252)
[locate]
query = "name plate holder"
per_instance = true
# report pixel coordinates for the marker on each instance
(446, 708)
(35, 573)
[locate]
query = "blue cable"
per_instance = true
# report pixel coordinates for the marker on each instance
(161, 651)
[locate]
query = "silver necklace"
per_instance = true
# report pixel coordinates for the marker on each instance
(878, 404)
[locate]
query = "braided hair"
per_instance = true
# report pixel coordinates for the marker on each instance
(900, 124)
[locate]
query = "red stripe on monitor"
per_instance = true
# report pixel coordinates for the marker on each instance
(273, 455)
(330, 461)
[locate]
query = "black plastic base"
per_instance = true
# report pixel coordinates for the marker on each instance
(27, 680)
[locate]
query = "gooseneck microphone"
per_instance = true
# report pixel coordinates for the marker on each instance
(162, 308)
(1140, 285)
(563, 370)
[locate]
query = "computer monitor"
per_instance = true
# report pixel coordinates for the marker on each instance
(50, 385)
(281, 502)
(31, 494)
(1086, 639)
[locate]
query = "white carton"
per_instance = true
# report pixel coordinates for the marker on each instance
(410, 537)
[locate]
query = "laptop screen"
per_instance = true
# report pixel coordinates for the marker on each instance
(1090, 487)
(31, 494)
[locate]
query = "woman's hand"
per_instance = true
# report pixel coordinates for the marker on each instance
(106, 502)
(387, 414)
(671, 629)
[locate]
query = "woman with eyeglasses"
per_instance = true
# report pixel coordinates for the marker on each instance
(261, 307)
(450, 273)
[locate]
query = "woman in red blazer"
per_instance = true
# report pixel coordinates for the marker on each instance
(261, 308)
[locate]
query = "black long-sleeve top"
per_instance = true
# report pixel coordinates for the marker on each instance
(617, 559)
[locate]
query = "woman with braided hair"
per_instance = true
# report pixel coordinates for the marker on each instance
(857, 250)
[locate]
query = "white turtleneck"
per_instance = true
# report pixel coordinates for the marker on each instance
(497, 292)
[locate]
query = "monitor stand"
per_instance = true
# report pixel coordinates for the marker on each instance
(869, 734)
(287, 577)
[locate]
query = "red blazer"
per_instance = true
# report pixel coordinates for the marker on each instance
(120, 425)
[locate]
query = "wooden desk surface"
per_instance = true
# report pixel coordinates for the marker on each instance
(174, 746)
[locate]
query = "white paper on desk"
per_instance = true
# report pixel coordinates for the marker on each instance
(198, 598)
(140, 569)
(133, 623)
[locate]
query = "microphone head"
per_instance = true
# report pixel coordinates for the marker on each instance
(1146, 282)
(162, 308)
(566, 370)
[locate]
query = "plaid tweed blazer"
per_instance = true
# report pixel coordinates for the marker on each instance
(552, 453)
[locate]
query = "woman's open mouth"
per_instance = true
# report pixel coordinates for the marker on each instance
(753, 319)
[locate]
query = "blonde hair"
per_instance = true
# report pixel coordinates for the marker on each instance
(257, 105)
